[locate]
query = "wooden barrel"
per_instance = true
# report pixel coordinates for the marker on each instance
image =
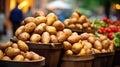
(103, 60)
(35, 63)
(50, 52)
(77, 61)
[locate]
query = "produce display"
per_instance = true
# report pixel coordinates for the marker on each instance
(17, 52)
(86, 44)
(80, 22)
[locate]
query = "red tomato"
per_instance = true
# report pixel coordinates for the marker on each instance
(116, 29)
(100, 31)
(110, 35)
(104, 19)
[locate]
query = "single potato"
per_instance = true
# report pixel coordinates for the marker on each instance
(22, 45)
(51, 29)
(76, 47)
(35, 38)
(29, 19)
(53, 39)
(7, 58)
(40, 28)
(24, 36)
(30, 27)
(5, 45)
(61, 36)
(40, 19)
(19, 30)
(1, 54)
(45, 37)
(69, 52)
(67, 45)
(68, 32)
(18, 58)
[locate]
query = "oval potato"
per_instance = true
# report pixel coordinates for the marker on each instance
(19, 30)
(40, 19)
(30, 27)
(1, 54)
(24, 36)
(18, 58)
(35, 38)
(45, 37)
(51, 29)
(40, 28)
(53, 39)
(29, 19)
(22, 45)
(7, 58)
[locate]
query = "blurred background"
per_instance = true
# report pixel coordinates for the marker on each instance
(93, 9)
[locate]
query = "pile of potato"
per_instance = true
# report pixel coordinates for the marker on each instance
(42, 29)
(86, 44)
(79, 21)
(17, 52)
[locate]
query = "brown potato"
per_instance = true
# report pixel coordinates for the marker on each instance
(67, 45)
(5, 45)
(51, 29)
(73, 38)
(28, 55)
(61, 36)
(58, 25)
(51, 17)
(39, 13)
(66, 22)
(103, 37)
(40, 28)
(22, 45)
(97, 51)
(53, 39)
(91, 39)
(86, 25)
(35, 56)
(30, 27)
(35, 38)
(11, 52)
(111, 46)
(89, 51)
(105, 44)
(45, 37)
(98, 45)
(104, 51)
(1, 54)
(29, 19)
(82, 52)
(69, 52)
(87, 45)
(82, 19)
(75, 15)
(68, 32)
(84, 36)
(76, 47)
(26, 59)
(18, 58)
(6, 58)
(19, 30)
(14, 45)
(24, 36)
(79, 26)
(72, 26)
(40, 19)
(73, 21)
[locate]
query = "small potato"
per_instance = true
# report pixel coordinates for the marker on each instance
(45, 37)
(40, 19)
(69, 52)
(51, 17)
(86, 25)
(58, 25)
(14, 45)
(79, 26)
(98, 45)
(67, 45)
(87, 45)
(6, 58)
(24, 36)
(82, 19)
(104, 51)
(88, 51)
(103, 37)
(61, 36)
(97, 51)
(76, 47)
(29, 19)
(19, 30)
(35, 38)
(22, 45)
(35, 56)
(19, 58)
(40, 28)
(68, 32)
(39, 13)
(53, 39)
(51, 29)
(28, 55)
(105, 44)
(73, 21)
(111, 47)
(5, 45)
(84, 36)
(66, 22)
(30, 27)
(26, 59)
(82, 52)
(72, 26)
(73, 38)
(11, 52)
(1, 54)
(75, 15)
(91, 39)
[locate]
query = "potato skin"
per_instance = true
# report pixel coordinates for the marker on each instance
(30, 27)
(53, 39)
(40, 28)
(29, 19)
(40, 19)
(24, 36)
(73, 38)
(22, 45)
(98, 45)
(35, 56)
(76, 47)
(61, 36)
(18, 58)
(35, 38)
(67, 45)
(1, 54)
(45, 37)
(51, 29)
(68, 32)
(7, 44)
(6, 58)
(19, 30)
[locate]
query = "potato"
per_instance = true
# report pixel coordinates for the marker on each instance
(51, 29)
(75, 15)
(51, 17)
(58, 25)
(35, 38)
(29, 19)
(104, 51)
(14, 45)
(66, 22)
(72, 26)
(18, 58)
(28, 55)
(111, 47)
(103, 37)
(35, 56)
(39, 13)
(1, 54)
(61, 36)
(40, 28)
(86, 25)
(73, 21)
(67, 45)
(76, 47)
(105, 44)
(69, 52)
(11, 52)
(45, 37)
(82, 52)
(73, 38)
(7, 58)
(53, 39)
(24, 36)
(30, 27)
(68, 32)
(84, 36)
(26, 59)
(98, 45)
(82, 19)
(40, 19)
(91, 39)
(79, 26)
(89, 51)
(87, 45)
(97, 51)
(19, 30)
(22, 45)
(5, 45)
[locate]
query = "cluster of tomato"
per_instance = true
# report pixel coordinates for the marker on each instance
(113, 27)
